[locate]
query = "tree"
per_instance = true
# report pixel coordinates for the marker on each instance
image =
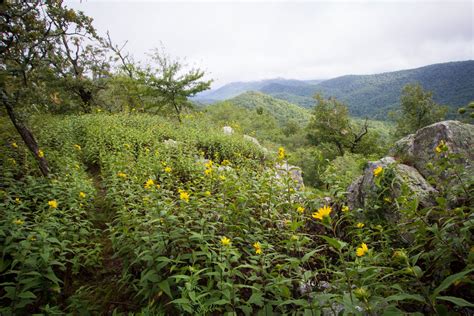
(417, 110)
(31, 63)
(170, 84)
(330, 123)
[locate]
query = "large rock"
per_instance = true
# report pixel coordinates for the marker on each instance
(228, 130)
(363, 191)
(283, 170)
(418, 149)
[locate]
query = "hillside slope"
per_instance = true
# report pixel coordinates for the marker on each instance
(283, 111)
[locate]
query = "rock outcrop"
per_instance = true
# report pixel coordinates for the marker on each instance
(419, 149)
(283, 170)
(409, 160)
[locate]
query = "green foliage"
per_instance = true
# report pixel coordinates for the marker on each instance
(200, 224)
(330, 123)
(170, 85)
(417, 110)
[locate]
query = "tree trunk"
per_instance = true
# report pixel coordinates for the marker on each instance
(26, 135)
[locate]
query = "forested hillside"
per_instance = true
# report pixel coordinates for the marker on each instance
(452, 84)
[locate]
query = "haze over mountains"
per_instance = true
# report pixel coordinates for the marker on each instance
(452, 84)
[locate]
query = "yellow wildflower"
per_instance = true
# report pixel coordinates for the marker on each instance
(225, 241)
(209, 164)
(361, 293)
(258, 248)
(183, 195)
(222, 178)
(294, 238)
(53, 204)
(362, 250)
(377, 171)
(441, 147)
(82, 195)
(324, 211)
(18, 222)
(360, 225)
(149, 183)
(207, 172)
(300, 209)
(158, 186)
(168, 170)
(14, 145)
(122, 175)
(281, 153)
(17, 200)
(345, 208)
(207, 193)
(40, 153)
(225, 162)
(78, 147)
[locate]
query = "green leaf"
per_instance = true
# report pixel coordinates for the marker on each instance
(404, 297)
(333, 242)
(165, 287)
(308, 255)
(455, 300)
(27, 295)
(448, 281)
(256, 299)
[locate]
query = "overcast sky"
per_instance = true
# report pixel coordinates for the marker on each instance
(253, 40)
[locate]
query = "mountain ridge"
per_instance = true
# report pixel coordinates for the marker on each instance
(372, 95)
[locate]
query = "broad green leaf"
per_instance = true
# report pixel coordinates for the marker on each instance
(448, 281)
(455, 300)
(165, 287)
(404, 297)
(333, 242)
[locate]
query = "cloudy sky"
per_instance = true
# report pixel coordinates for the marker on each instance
(252, 40)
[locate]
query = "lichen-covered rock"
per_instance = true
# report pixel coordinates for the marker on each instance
(253, 140)
(418, 149)
(228, 130)
(363, 191)
(295, 173)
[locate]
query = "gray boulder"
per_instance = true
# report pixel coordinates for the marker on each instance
(418, 149)
(283, 170)
(228, 130)
(364, 191)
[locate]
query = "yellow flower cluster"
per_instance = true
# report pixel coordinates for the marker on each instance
(183, 195)
(18, 222)
(149, 183)
(225, 241)
(362, 250)
(258, 248)
(14, 145)
(377, 171)
(324, 211)
(360, 225)
(82, 195)
(168, 170)
(53, 204)
(300, 209)
(78, 147)
(442, 147)
(281, 153)
(40, 153)
(122, 175)
(345, 208)
(225, 162)
(207, 193)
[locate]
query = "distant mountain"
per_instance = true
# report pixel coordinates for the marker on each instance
(283, 111)
(452, 84)
(236, 88)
